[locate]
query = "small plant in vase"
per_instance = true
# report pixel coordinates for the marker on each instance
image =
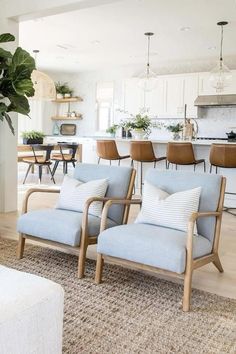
(112, 129)
(63, 90)
(175, 129)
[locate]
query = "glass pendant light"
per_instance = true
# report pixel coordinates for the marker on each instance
(43, 85)
(148, 79)
(220, 76)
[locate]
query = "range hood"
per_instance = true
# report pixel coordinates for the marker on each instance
(215, 100)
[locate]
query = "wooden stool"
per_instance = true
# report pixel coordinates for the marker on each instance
(142, 151)
(223, 156)
(182, 154)
(107, 150)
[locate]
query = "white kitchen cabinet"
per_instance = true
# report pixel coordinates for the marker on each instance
(174, 97)
(154, 100)
(133, 96)
(190, 90)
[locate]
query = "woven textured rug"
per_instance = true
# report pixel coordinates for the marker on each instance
(130, 312)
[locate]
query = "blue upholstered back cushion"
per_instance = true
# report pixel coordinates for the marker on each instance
(176, 181)
(118, 183)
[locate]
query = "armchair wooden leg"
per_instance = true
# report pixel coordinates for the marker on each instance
(217, 264)
(99, 268)
(82, 258)
(20, 247)
(187, 290)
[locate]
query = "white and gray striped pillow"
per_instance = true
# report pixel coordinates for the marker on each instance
(169, 210)
(74, 194)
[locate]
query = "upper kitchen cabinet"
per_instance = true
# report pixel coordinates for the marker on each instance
(154, 100)
(133, 96)
(190, 92)
(205, 87)
(174, 98)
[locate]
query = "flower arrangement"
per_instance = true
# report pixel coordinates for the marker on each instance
(175, 128)
(112, 129)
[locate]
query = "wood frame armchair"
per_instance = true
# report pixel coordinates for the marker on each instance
(85, 239)
(191, 263)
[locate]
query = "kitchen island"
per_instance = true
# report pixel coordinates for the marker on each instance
(201, 150)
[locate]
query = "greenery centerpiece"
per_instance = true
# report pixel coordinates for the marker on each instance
(175, 129)
(139, 125)
(15, 80)
(32, 137)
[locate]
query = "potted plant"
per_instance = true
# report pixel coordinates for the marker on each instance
(63, 90)
(139, 125)
(15, 80)
(175, 129)
(32, 137)
(112, 129)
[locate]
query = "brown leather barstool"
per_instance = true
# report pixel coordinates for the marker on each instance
(182, 154)
(223, 156)
(142, 151)
(107, 150)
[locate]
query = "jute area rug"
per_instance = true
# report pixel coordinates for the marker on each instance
(130, 312)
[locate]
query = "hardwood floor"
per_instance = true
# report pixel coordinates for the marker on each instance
(207, 278)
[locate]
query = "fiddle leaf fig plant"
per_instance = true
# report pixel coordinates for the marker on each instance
(15, 80)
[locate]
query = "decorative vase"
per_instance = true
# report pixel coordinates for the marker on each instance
(176, 136)
(59, 96)
(138, 134)
(67, 95)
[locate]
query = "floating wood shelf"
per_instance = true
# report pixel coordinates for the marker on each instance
(68, 100)
(66, 118)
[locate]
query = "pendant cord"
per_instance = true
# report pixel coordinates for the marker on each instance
(221, 43)
(148, 55)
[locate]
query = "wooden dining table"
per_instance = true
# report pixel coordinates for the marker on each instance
(26, 151)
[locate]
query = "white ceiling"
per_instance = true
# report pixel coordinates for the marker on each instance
(113, 35)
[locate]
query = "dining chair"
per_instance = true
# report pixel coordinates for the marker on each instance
(39, 161)
(67, 155)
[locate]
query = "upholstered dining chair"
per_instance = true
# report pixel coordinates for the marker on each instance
(164, 249)
(75, 230)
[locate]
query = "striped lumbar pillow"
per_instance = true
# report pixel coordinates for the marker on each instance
(169, 210)
(74, 194)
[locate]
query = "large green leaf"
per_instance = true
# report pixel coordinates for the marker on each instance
(22, 72)
(6, 37)
(5, 54)
(9, 122)
(18, 104)
(22, 57)
(24, 87)
(3, 108)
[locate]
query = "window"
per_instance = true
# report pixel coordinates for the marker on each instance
(104, 97)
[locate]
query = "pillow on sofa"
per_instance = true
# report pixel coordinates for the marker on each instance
(169, 210)
(74, 194)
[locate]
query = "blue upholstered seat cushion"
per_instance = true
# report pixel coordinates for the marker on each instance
(58, 225)
(151, 245)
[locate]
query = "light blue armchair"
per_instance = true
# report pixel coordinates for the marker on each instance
(73, 229)
(153, 247)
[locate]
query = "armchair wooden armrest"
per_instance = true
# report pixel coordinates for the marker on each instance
(110, 202)
(36, 190)
(193, 218)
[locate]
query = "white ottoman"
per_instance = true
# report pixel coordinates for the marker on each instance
(31, 314)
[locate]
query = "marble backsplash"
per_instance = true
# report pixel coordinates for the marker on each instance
(212, 122)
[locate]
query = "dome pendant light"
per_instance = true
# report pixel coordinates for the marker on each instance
(148, 79)
(43, 85)
(220, 76)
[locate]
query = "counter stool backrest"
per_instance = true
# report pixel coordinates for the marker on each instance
(142, 151)
(107, 150)
(180, 153)
(223, 155)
